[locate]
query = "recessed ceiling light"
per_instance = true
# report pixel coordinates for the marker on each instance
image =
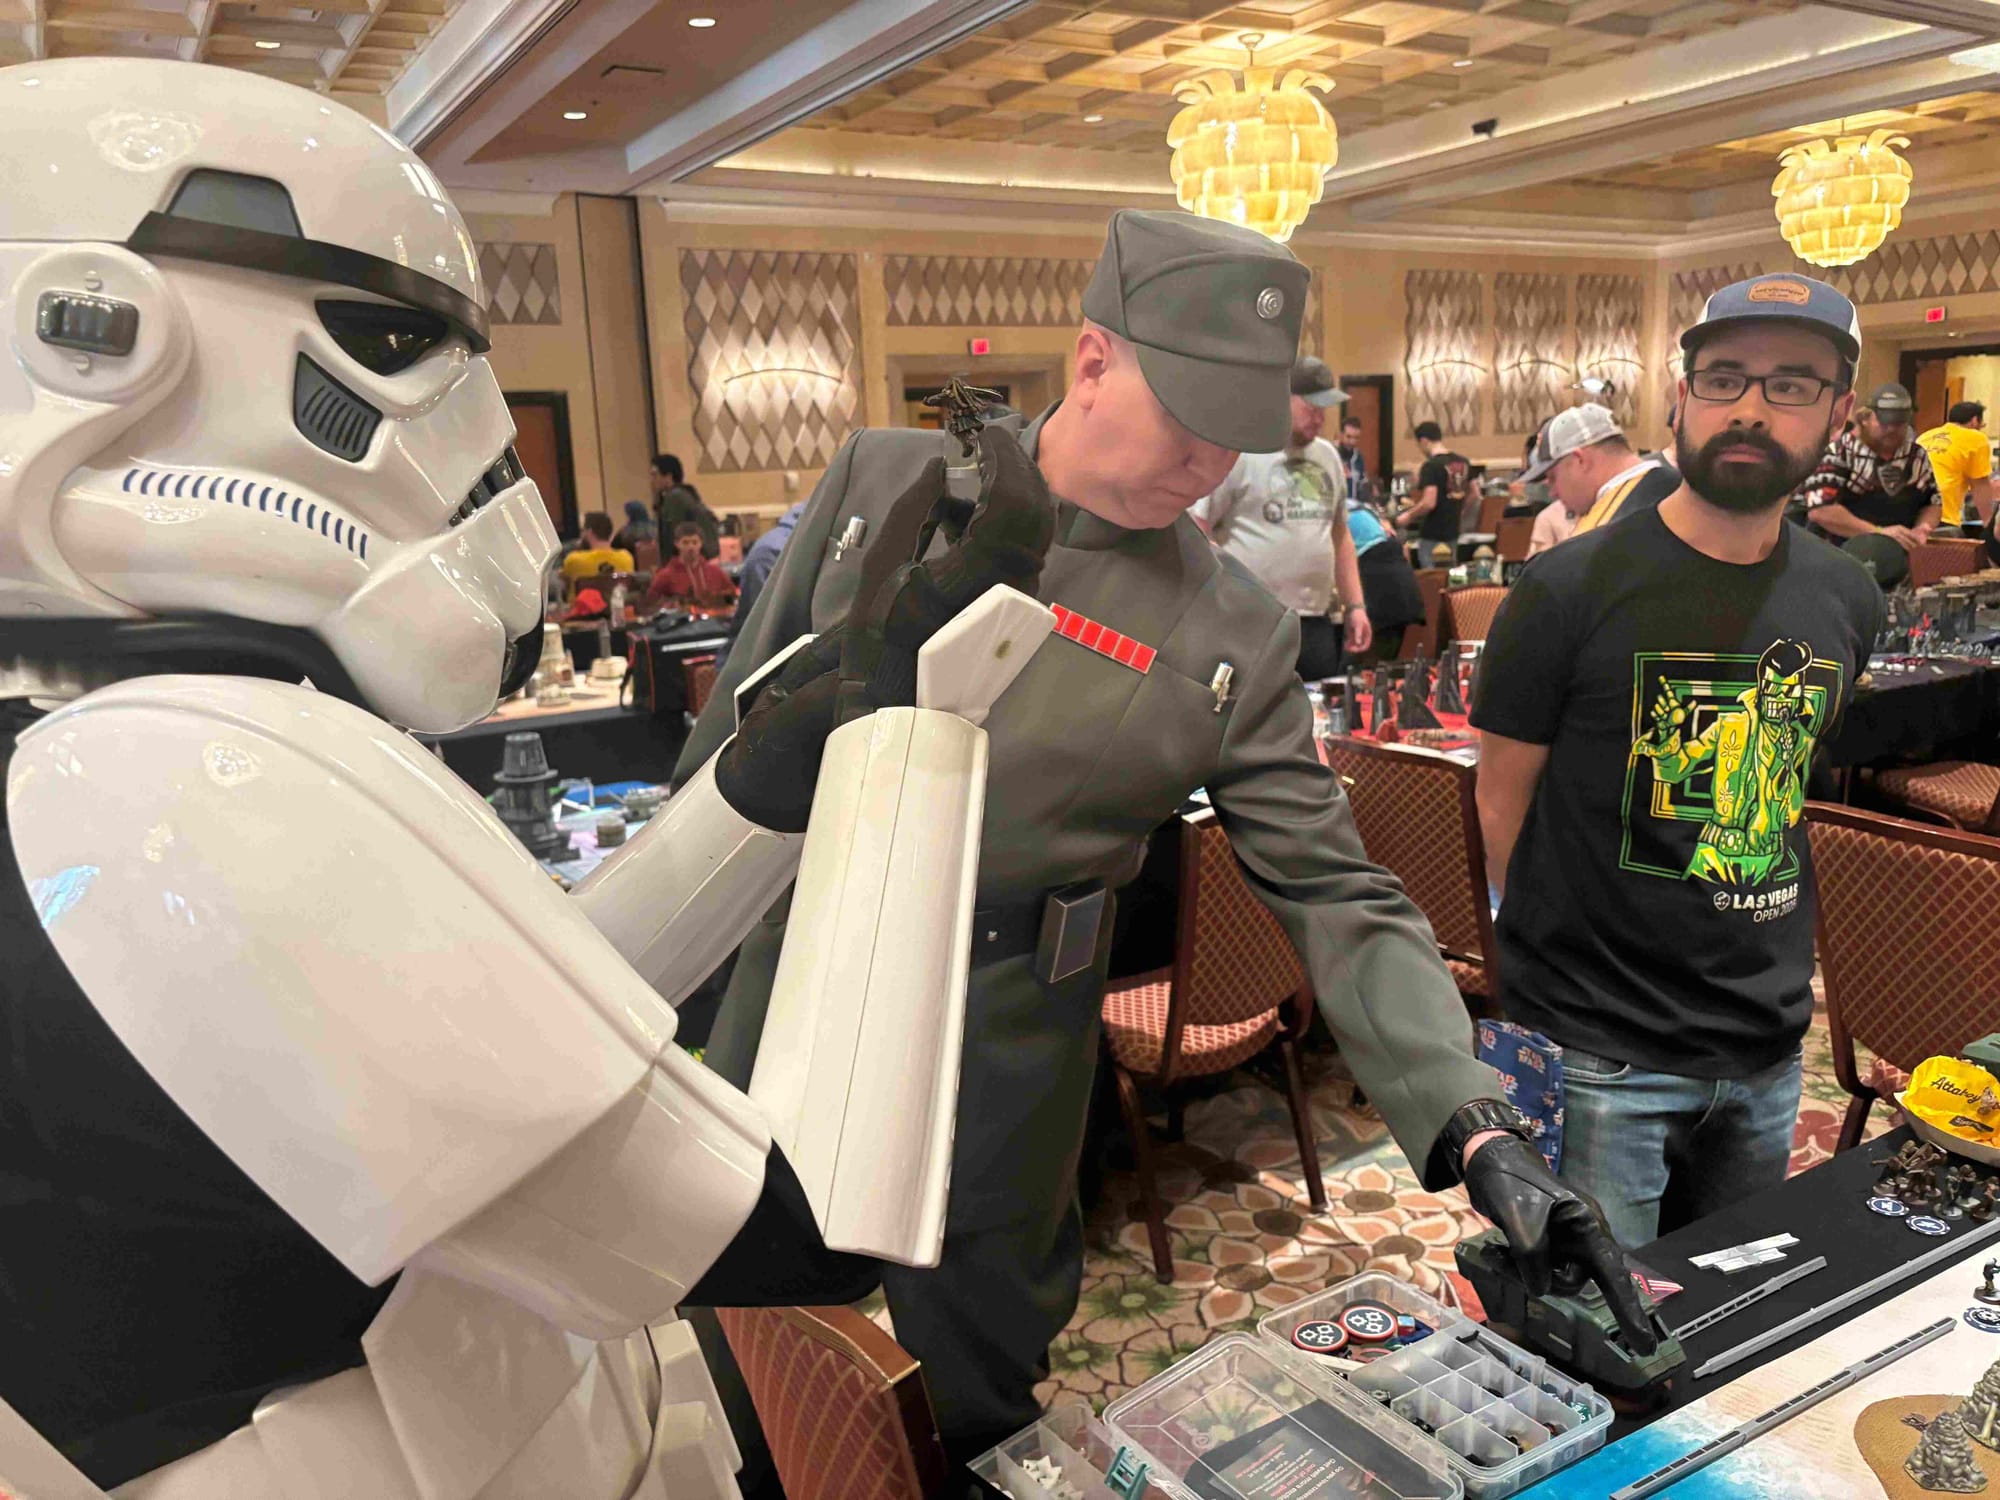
(1093, 119)
(1462, 62)
(701, 23)
(575, 114)
(267, 46)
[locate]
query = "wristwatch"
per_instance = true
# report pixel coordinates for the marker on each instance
(1476, 1118)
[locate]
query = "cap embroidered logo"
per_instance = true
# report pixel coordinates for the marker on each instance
(1797, 293)
(1270, 302)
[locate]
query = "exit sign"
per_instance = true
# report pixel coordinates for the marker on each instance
(979, 346)
(1933, 315)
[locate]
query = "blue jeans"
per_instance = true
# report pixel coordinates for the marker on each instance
(1658, 1150)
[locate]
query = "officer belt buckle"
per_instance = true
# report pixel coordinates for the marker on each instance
(1071, 918)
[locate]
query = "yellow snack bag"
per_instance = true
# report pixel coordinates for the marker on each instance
(1956, 1096)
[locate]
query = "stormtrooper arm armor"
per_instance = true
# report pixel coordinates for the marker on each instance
(678, 899)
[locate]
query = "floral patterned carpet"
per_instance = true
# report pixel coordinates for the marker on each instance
(1246, 1240)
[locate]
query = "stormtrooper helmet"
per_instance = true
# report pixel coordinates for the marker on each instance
(247, 385)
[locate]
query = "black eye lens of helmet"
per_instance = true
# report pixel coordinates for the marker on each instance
(381, 337)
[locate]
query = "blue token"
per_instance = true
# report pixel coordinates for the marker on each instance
(1925, 1224)
(1893, 1207)
(1985, 1319)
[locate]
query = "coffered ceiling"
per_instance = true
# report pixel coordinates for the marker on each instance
(1101, 75)
(358, 47)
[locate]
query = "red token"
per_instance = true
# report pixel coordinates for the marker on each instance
(1367, 1354)
(1369, 1322)
(1320, 1337)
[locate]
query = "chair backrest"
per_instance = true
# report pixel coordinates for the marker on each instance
(698, 677)
(1513, 537)
(1907, 941)
(1491, 508)
(1422, 640)
(1418, 820)
(1468, 612)
(1232, 961)
(645, 557)
(1945, 557)
(842, 1405)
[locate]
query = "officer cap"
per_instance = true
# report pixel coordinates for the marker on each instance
(1213, 310)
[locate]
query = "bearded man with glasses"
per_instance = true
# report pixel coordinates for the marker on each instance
(1649, 703)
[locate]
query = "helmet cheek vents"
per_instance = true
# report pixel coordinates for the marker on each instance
(330, 415)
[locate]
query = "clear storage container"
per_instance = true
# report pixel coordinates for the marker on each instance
(1504, 1418)
(1070, 1437)
(1233, 1423)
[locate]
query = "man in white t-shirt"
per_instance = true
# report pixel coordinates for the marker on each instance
(1284, 517)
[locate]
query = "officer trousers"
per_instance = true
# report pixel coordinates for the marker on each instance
(981, 1321)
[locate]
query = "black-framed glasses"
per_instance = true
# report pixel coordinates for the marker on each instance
(1780, 390)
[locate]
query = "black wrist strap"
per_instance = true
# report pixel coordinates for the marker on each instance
(1476, 1118)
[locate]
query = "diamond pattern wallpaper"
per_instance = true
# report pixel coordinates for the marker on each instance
(1948, 265)
(981, 291)
(1610, 312)
(774, 356)
(523, 279)
(977, 291)
(1531, 329)
(1444, 330)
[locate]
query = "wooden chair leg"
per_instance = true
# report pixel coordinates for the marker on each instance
(1295, 1094)
(1851, 1126)
(1149, 1192)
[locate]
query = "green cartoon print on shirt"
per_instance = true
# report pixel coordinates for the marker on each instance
(1733, 755)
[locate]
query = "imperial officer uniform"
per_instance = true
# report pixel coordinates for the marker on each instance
(1172, 670)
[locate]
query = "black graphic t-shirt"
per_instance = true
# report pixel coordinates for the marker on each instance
(1452, 474)
(1659, 905)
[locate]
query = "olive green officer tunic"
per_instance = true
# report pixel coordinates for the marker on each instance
(1087, 758)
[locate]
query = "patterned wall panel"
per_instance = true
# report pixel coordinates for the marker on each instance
(977, 291)
(1310, 340)
(522, 284)
(1444, 338)
(1532, 375)
(1610, 314)
(774, 356)
(1903, 270)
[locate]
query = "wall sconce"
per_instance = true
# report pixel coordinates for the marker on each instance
(779, 370)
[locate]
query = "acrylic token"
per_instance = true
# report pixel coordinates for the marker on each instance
(1321, 1337)
(1925, 1224)
(1893, 1207)
(1369, 1322)
(1985, 1319)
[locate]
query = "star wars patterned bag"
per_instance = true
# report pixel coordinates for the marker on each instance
(1531, 1072)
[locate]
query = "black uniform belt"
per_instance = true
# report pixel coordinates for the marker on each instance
(1060, 927)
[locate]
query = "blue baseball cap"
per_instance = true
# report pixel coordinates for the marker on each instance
(1783, 298)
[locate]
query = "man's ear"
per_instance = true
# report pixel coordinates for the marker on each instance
(1843, 408)
(1093, 362)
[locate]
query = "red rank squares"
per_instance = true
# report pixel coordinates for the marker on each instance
(1103, 640)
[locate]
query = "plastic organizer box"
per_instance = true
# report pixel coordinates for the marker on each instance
(1503, 1418)
(1233, 1423)
(1075, 1442)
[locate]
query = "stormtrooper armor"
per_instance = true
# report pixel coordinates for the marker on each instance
(247, 418)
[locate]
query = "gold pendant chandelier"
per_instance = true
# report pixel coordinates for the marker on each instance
(1253, 154)
(1837, 201)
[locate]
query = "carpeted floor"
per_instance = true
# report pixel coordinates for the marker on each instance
(1246, 1240)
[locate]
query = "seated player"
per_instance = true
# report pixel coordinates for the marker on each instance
(688, 577)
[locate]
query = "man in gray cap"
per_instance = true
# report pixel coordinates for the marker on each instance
(1172, 670)
(1875, 479)
(1283, 515)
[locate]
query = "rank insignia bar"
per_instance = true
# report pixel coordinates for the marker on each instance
(1103, 640)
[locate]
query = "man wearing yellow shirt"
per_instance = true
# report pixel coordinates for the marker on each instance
(1962, 459)
(596, 552)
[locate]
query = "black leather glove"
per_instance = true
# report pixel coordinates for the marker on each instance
(1554, 1231)
(869, 661)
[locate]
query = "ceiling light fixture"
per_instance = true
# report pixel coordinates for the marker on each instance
(1461, 62)
(266, 46)
(701, 23)
(1093, 119)
(1255, 154)
(1838, 200)
(575, 114)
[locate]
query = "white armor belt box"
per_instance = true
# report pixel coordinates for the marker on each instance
(1460, 1413)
